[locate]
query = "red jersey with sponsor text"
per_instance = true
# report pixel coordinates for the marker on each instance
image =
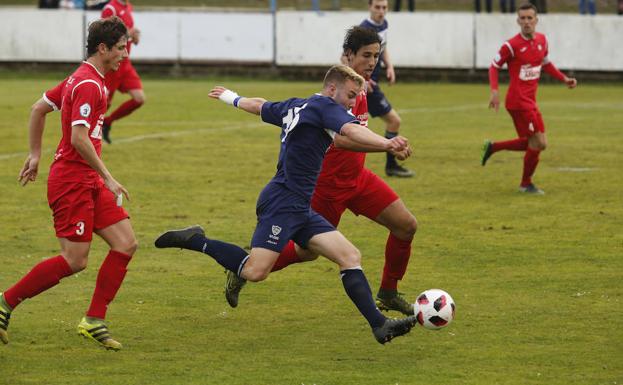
(341, 167)
(524, 58)
(82, 99)
(123, 11)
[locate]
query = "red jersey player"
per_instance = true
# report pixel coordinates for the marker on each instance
(344, 183)
(125, 79)
(526, 56)
(83, 195)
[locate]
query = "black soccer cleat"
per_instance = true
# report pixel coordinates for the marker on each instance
(531, 189)
(487, 151)
(398, 171)
(393, 300)
(178, 238)
(233, 285)
(106, 133)
(393, 328)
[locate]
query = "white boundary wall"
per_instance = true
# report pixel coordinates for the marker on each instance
(419, 40)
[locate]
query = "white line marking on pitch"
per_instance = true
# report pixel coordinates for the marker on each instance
(157, 135)
(576, 169)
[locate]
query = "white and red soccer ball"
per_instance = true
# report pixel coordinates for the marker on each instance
(434, 309)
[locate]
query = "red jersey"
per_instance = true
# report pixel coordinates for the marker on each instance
(341, 167)
(123, 11)
(524, 58)
(82, 98)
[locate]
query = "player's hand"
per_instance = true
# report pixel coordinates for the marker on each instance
(402, 155)
(571, 82)
(217, 91)
(135, 34)
(397, 144)
(116, 187)
(494, 100)
(391, 75)
(29, 171)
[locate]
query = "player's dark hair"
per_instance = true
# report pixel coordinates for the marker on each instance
(371, 1)
(526, 6)
(357, 37)
(108, 31)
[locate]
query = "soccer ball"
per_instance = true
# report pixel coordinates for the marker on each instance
(434, 309)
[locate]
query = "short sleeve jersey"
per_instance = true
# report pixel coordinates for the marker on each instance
(341, 167)
(307, 129)
(123, 11)
(524, 58)
(82, 99)
(381, 29)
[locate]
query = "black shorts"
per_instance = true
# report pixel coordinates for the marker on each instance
(378, 105)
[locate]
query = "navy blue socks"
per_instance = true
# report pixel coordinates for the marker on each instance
(227, 255)
(357, 288)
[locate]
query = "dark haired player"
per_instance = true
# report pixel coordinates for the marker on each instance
(82, 193)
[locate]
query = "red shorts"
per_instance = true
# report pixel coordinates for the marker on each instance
(124, 79)
(527, 122)
(369, 197)
(79, 209)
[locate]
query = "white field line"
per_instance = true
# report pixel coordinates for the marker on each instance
(157, 135)
(484, 106)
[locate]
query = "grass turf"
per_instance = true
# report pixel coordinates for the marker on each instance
(537, 280)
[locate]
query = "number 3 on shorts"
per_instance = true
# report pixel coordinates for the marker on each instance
(80, 229)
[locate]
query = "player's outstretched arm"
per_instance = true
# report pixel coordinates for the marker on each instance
(81, 142)
(250, 105)
(363, 137)
(36, 125)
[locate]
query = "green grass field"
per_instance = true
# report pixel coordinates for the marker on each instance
(537, 280)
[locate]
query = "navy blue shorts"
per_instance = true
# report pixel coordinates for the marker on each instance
(378, 105)
(284, 215)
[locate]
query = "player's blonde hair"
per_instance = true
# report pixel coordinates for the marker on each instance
(340, 73)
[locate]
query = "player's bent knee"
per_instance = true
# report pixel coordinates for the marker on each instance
(77, 263)
(256, 275)
(350, 259)
(127, 247)
(409, 228)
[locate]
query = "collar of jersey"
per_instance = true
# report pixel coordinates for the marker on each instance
(96, 70)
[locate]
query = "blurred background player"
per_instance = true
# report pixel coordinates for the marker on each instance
(378, 105)
(83, 195)
(526, 56)
(125, 79)
(344, 183)
(283, 209)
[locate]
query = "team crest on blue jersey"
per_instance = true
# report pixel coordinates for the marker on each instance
(276, 230)
(85, 110)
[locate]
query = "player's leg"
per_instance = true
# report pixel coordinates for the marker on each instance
(338, 249)
(518, 144)
(379, 106)
(378, 202)
(43, 276)
(130, 83)
(537, 142)
(73, 221)
(114, 227)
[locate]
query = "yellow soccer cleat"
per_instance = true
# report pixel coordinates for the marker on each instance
(97, 331)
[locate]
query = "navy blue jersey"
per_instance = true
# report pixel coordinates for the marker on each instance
(307, 130)
(381, 29)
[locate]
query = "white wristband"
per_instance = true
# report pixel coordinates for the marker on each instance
(229, 97)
